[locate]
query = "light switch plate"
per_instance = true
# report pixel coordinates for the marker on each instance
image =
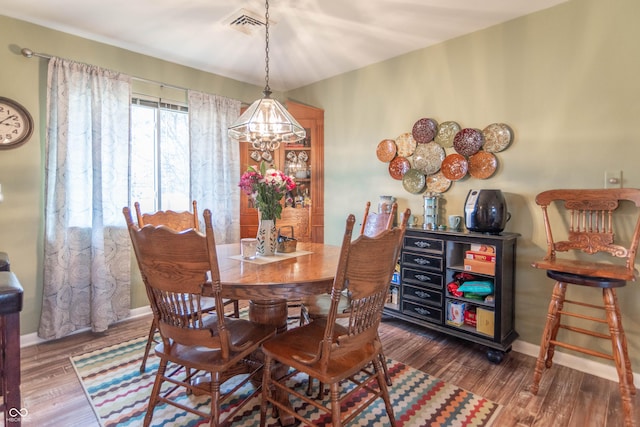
(613, 179)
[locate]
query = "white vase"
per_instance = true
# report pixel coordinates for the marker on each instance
(267, 237)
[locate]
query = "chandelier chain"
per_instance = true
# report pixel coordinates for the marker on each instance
(266, 49)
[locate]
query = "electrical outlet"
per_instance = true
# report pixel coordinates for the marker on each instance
(613, 179)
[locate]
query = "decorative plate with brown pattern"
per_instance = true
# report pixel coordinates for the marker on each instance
(406, 144)
(438, 182)
(454, 167)
(468, 141)
(482, 165)
(398, 167)
(386, 150)
(424, 130)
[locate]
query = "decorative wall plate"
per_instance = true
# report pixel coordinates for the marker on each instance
(428, 157)
(386, 150)
(398, 167)
(414, 181)
(438, 183)
(468, 141)
(497, 137)
(406, 144)
(454, 167)
(446, 132)
(482, 165)
(424, 130)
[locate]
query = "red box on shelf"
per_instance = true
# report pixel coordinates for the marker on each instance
(470, 317)
(480, 256)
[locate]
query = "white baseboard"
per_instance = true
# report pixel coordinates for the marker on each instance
(33, 339)
(578, 363)
(588, 366)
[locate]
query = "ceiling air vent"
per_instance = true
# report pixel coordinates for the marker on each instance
(246, 21)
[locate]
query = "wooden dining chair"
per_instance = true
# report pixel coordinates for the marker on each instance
(299, 219)
(331, 351)
(177, 221)
(583, 226)
(178, 270)
(317, 306)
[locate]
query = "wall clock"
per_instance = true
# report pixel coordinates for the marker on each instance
(16, 124)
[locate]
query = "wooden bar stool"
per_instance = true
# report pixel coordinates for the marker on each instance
(10, 307)
(585, 227)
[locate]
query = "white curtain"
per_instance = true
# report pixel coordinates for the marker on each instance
(86, 248)
(215, 162)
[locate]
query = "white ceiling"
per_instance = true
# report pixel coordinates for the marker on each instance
(310, 40)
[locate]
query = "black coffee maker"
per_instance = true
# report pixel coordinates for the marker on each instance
(485, 211)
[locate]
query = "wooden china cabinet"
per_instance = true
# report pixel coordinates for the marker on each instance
(303, 160)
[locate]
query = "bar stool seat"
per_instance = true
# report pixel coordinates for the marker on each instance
(10, 307)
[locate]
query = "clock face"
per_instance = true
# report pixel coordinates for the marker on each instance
(16, 124)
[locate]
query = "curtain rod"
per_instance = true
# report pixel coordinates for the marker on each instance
(28, 53)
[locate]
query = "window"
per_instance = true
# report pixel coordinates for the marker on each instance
(160, 155)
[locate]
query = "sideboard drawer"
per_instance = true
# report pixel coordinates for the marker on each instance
(412, 276)
(422, 295)
(424, 244)
(424, 312)
(423, 261)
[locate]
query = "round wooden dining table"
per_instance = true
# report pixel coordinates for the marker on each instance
(268, 282)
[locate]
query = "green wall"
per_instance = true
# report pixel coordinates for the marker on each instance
(565, 79)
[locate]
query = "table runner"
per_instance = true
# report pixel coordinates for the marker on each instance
(278, 256)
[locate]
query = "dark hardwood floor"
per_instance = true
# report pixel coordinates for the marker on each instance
(52, 393)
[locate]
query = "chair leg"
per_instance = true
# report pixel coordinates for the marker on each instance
(236, 309)
(147, 349)
(335, 404)
(559, 294)
(309, 385)
(383, 362)
(215, 399)
(620, 355)
(155, 392)
(624, 346)
(379, 367)
(266, 389)
(550, 332)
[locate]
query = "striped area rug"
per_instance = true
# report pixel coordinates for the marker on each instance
(119, 395)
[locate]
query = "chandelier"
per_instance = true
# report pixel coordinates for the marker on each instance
(266, 123)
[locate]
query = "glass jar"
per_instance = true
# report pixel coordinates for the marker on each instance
(431, 210)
